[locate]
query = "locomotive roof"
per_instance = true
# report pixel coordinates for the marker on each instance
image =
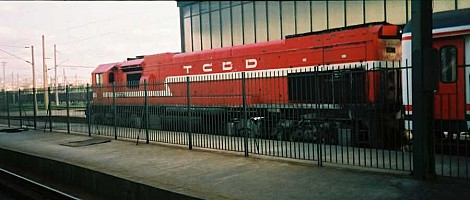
(130, 63)
(337, 29)
(446, 19)
(104, 68)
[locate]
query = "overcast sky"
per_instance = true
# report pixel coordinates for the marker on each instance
(86, 34)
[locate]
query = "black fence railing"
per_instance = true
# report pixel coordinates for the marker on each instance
(354, 115)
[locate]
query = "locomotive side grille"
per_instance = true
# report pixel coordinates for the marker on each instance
(339, 87)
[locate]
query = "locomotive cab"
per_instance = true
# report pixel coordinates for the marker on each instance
(104, 74)
(131, 72)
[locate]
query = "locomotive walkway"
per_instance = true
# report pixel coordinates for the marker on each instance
(213, 174)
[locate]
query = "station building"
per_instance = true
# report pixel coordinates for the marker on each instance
(215, 24)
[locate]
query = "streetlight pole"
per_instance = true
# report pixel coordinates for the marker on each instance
(44, 74)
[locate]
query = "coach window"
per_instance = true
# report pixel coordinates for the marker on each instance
(448, 64)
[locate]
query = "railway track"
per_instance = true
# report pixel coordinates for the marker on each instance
(14, 186)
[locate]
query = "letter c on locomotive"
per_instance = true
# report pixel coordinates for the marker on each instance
(206, 67)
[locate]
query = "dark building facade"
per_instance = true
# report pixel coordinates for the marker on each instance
(215, 24)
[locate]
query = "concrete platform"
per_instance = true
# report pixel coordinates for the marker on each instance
(210, 174)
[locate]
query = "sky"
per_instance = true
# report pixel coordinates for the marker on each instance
(86, 34)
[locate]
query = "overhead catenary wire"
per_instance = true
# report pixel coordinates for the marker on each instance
(112, 18)
(107, 19)
(3, 45)
(75, 66)
(15, 56)
(106, 33)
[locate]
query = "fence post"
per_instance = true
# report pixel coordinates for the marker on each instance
(19, 108)
(49, 109)
(35, 109)
(188, 100)
(146, 112)
(8, 108)
(67, 95)
(424, 84)
(114, 111)
(88, 109)
(245, 114)
(319, 134)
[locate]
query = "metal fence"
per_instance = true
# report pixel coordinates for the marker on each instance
(353, 115)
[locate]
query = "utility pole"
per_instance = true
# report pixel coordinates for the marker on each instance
(55, 77)
(44, 76)
(4, 80)
(64, 79)
(34, 81)
(13, 85)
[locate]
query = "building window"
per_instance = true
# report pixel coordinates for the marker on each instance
(463, 4)
(319, 21)
(396, 12)
(354, 13)
(336, 15)
(439, 6)
(288, 18)
(249, 23)
(261, 21)
(374, 11)
(215, 26)
(226, 28)
(188, 44)
(206, 31)
(274, 21)
(302, 16)
(196, 28)
(448, 64)
(237, 30)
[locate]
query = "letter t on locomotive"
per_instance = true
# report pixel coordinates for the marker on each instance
(187, 67)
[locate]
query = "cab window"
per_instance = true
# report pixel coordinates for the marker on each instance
(111, 78)
(133, 80)
(448, 64)
(99, 79)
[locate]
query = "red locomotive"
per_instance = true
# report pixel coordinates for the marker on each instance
(341, 82)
